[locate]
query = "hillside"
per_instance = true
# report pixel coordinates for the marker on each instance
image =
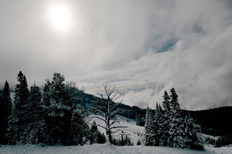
(213, 121)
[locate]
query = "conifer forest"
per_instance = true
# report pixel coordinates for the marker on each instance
(57, 114)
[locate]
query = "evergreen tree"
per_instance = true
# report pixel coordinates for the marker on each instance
(78, 130)
(149, 128)
(158, 126)
(176, 130)
(16, 120)
(166, 102)
(169, 127)
(192, 134)
(183, 132)
(5, 111)
(35, 94)
(174, 99)
(54, 109)
(139, 120)
(1, 120)
(94, 133)
(12, 127)
(47, 93)
(63, 119)
(33, 127)
(101, 138)
(165, 120)
(7, 98)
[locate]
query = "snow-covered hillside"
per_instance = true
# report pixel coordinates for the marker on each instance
(133, 131)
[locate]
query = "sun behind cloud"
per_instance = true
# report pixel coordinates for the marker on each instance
(60, 17)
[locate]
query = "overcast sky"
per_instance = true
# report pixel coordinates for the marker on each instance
(141, 47)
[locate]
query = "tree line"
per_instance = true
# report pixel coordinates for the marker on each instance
(57, 115)
(49, 116)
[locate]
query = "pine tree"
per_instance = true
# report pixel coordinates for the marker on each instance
(54, 109)
(139, 120)
(1, 120)
(5, 110)
(12, 127)
(170, 128)
(33, 126)
(64, 121)
(101, 138)
(7, 98)
(16, 120)
(192, 134)
(149, 128)
(176, 132)
(165, 120)
(166, 102)
(35, 94)
(94, 133)
(96, 136)
(158, 125)
(183, 132)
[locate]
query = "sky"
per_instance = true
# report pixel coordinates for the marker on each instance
(140, 47)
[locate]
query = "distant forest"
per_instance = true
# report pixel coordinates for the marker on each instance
(215, 121)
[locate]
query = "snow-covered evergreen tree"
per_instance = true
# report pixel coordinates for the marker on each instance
(170, 127)
(176, 130)
(63, 119)
(158, 126)
(192, 134)
(54, 109)
(165, 120)
(183, 132)
(12, 128)
(149, 129)
(17, 119)
(33, 126)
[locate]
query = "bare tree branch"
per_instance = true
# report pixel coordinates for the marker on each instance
(98, 118)
(102, 127)
(107, 107)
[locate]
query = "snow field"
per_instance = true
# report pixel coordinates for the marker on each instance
(94, 149)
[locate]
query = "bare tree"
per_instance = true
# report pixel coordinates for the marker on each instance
(107, 107)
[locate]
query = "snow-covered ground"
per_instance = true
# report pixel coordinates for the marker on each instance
(104, 149)
(133, 131)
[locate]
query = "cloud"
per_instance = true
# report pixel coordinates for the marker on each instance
(141, 47)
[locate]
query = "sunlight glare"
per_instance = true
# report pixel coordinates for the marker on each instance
(60, 17)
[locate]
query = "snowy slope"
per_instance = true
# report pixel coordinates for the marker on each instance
(133, 131)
